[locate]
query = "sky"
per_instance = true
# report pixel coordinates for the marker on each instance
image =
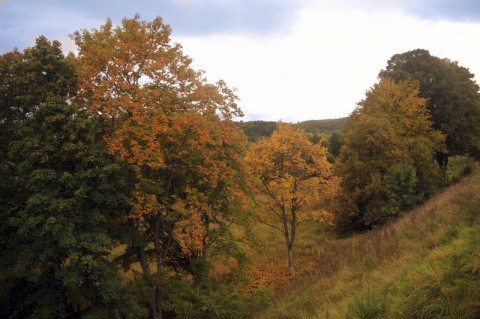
(290, 60)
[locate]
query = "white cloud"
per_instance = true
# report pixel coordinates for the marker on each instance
(323, 67)
(312, 63)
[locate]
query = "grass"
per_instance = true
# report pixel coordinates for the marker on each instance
(459, 166)
(425, 265)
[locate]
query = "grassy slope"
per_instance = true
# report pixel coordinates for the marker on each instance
(425, 265)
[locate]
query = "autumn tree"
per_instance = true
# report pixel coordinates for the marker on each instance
(451, 94)
(293, 173)
(174, 132)
(388, 149)
(63, 191)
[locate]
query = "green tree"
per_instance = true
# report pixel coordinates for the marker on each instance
(174, 132)
(389, 127)
(257, 129)
(27, 79)
(400, 185)
(335, 144)
(452, 94)
(293, 174)
(55, 232)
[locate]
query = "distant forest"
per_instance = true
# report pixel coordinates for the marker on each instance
(257, 129)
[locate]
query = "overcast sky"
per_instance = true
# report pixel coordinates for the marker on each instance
(291, 60)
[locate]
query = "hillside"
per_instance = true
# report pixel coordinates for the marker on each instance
(424, 265)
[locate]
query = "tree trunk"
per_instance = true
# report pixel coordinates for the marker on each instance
(290, 260)
(154, 312)
(152, 302)
(442, 160)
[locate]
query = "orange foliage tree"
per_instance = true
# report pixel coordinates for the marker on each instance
(293, 174)
(174, 132)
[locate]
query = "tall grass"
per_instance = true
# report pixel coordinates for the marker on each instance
(424, 265)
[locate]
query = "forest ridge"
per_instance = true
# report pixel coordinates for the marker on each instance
(130, 191)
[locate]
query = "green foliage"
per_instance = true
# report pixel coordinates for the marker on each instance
(335, 144)
(328, 126)
(262, 296)
(257, 129)
(399, 185)
(205, 301)
(458, 167)
(389, 132)
(453, 97)
(56, 243)
(134, 165)
(316, 128)
(61, 239)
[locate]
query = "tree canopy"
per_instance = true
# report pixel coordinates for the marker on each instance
(451, 95)
(388, 131)
(293, 173)
(174, 132)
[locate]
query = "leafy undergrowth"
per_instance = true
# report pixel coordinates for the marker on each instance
(424, 265)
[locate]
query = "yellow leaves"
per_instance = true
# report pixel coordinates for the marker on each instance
(323, 217)
(292, 171)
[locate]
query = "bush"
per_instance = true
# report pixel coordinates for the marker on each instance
(206, 301)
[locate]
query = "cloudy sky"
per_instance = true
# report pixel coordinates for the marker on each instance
(290, 60)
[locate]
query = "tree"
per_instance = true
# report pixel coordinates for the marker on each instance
(55, 231)
(335, 144)
(174, 132)
(27, 78)
(257, 129)
(452, 98)
(293, 173)
(387, 137)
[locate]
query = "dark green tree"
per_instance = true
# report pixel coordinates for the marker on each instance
(27, 78)
(55, 235)
(257, 129)
(452, 98)
(335, 144)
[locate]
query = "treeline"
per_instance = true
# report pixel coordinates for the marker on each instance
(328, 132)
(126, 180)
(256, 129)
